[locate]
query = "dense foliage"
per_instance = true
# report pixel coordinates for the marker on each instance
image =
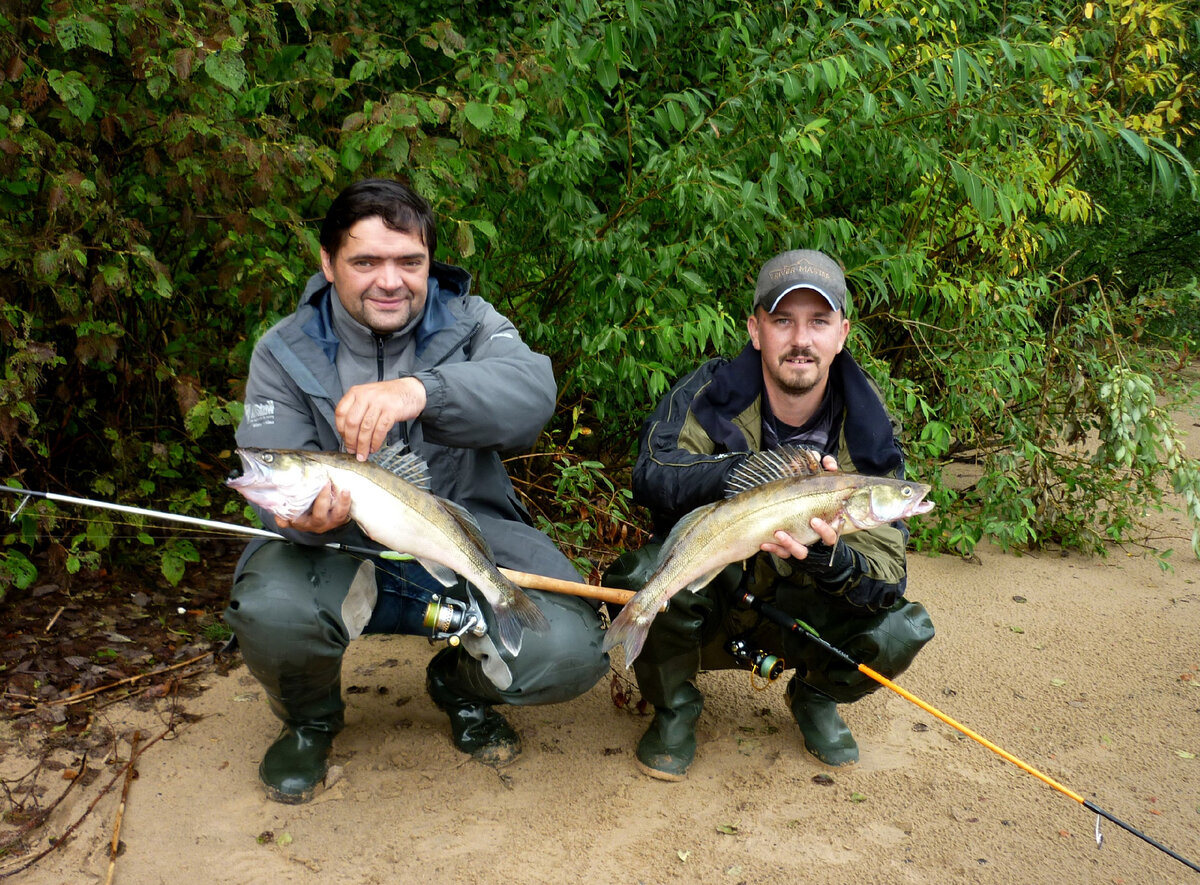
(613, 173)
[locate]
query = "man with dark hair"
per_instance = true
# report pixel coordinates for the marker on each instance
(388, 346)
(792, 385)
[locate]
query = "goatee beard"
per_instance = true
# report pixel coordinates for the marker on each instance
(791, 387)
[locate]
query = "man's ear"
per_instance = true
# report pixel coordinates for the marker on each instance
(752, 328)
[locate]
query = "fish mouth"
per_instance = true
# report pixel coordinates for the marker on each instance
(253, 472)
(922, 506)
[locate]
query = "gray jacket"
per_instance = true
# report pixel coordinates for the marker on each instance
(487, 393)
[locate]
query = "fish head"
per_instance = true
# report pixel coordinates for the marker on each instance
(282, 481)
(887, 500)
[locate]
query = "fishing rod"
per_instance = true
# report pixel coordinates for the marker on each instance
(524, 579)
(783, 619)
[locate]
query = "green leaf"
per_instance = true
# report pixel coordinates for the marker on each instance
(74, 92)
(612, 44)
(479, 115)
(606, 74)
(633, 9)
(675, 113)
(227, 68)
(1135, 141)
(74, 31)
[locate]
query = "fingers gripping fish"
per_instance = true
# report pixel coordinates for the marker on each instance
(390, 501)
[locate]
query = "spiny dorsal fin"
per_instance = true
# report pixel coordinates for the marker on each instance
(785, 462)
(404, 463)
(464, 518)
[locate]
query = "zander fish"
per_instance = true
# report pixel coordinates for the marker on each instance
(390, 502)
(780, 489)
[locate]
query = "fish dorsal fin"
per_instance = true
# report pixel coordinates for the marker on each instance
(400, 460)
(464, 518)
(785, 462)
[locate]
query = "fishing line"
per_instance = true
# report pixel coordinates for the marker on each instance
(786, 621)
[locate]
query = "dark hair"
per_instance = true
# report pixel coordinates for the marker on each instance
(399, 206)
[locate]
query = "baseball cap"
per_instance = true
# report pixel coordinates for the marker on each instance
(800, 269)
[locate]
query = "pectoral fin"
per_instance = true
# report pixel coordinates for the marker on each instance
(444, 575)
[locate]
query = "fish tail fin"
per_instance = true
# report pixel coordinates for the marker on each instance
(627, 630)
(522, 613)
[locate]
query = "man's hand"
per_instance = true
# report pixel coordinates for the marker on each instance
(787, 547)
(368, 411)
(330, 510)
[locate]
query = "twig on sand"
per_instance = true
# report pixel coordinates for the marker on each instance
(116, 839)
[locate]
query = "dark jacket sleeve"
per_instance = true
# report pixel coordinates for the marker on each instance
(677, 469)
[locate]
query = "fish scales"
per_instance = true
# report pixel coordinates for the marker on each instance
(783, 489)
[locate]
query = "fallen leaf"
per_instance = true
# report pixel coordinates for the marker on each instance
(683, 855)
(727, 829)
(857, 797)
(1016, 629)
(1184, 754)
(1058, 682)
(284, 840)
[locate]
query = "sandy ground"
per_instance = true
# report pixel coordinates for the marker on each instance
(1087, 669)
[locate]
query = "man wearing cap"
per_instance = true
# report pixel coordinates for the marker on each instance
(793, 384)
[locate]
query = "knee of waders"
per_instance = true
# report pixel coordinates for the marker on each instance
(887, 642)
(561, 663)
(285, 599)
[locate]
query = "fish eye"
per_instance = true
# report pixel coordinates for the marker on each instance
(906, 491)
(267, 457)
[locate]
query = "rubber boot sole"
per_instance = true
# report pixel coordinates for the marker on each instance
(659, 775)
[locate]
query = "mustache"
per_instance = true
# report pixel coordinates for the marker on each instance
(794, 352)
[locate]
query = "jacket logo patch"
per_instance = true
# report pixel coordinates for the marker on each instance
(260, 414)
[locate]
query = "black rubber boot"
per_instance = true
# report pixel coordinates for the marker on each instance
(826, 734)
(297, 761)
(456, 683)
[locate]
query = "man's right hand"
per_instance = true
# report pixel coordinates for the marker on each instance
(330, 510)
(368, 411)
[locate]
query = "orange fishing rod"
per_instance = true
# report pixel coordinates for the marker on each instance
(783, 619)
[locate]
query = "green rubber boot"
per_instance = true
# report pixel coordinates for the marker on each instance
(456, 683)
(668, 663)
(826, 734)
(297, 761)
(669, 745)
